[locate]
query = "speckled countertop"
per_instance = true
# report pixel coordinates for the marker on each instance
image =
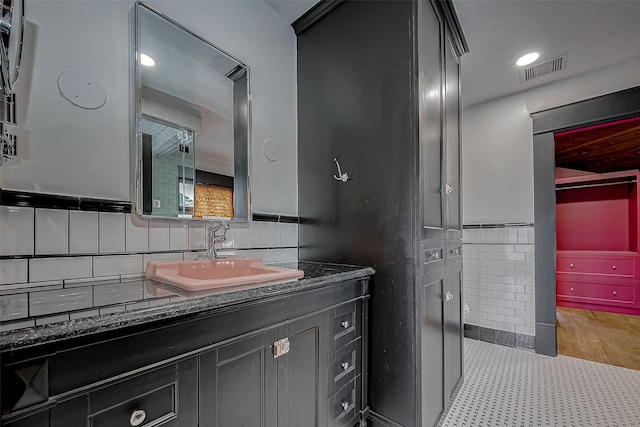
(168, 303)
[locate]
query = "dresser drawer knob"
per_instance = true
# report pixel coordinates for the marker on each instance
(570, 265)
(614, 267)
(571, 289)
(615, 292)
(345, 365)
(137, 417)
(345, 324)
(345, 405)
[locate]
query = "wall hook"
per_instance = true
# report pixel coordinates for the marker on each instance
(344, 177)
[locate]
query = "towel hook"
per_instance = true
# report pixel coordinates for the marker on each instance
(344, 177)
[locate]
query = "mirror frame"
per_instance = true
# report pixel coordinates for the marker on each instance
(241, 127)
(10, 65)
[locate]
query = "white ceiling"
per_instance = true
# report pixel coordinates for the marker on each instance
(594, 33)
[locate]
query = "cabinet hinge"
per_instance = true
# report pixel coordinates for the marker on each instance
(280, 347)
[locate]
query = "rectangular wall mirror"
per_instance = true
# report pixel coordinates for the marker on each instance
(192, 124)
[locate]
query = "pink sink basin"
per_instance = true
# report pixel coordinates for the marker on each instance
(218, 273)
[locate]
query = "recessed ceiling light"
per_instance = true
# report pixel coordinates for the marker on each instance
(146, 60)
(527, 59)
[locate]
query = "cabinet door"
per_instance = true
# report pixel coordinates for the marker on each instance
(237, 384)
(430, 122)
(298, 375)
(452, 142)
(432, 352)
(453, 329)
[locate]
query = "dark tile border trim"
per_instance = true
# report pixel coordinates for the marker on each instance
(275, 218)
(505, 225)
(54, 201)
(71, 203)
(504, 338)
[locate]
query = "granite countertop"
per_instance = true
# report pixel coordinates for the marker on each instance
(167, 302)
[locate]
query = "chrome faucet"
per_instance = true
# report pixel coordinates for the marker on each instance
(213, 229)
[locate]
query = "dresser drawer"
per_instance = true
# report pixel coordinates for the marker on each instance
(344, 365)
(150, 399)
(613, 267)
(346, 327)
(623, 293)
(344, 406)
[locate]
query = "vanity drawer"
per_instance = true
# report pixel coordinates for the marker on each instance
(150, 399)
(346, 327)
(619, 292)
(344, 405)
(613, 267)
(344, 365)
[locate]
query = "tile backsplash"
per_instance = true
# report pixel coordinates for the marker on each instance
(499, 283)
(53, 254)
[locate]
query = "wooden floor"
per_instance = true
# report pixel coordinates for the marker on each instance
(608, 338)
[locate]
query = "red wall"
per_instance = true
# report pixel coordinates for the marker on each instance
(594, 218)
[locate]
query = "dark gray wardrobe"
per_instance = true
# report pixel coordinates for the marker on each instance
(378, 92)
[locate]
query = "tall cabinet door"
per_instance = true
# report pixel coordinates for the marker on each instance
(452, 142)
(453, 327)
(432, 168)
(431, 316)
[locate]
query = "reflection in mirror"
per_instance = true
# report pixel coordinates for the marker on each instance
(192, 124)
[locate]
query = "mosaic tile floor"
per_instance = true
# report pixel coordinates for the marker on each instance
(506, 387)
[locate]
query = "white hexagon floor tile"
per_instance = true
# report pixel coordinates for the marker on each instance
(507, 387)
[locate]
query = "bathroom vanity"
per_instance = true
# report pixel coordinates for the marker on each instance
(288, 354)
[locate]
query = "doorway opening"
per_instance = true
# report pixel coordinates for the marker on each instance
(592, 112)
(597, 173)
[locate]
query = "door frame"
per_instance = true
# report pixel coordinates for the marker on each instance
(602, 109)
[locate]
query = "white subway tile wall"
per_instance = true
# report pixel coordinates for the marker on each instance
(17, 230)
(136, 234)
(158, 235)
(111, 230)
(101, 255)
(178, 235)
(13, 271)
(52, 232)
(83, 232)
(499, 284)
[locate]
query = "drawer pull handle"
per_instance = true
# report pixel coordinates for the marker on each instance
(570, 265)
(571, 289)
(614, 267)
(345, 324)
(137, 417)
(615, 292)
(345, 365)
(345, 405)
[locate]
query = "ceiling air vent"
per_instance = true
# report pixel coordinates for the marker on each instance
(543, 68)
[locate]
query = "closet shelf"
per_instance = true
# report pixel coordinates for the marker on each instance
(599, 180)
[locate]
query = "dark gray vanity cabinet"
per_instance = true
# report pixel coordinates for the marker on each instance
(294, 360)
(378, 94)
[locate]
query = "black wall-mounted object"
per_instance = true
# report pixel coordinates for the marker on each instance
(147, 174)
(378, 90)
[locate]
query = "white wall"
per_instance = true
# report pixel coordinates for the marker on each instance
(63, 149)
(497, 142)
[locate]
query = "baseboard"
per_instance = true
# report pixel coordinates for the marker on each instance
(504, 338)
